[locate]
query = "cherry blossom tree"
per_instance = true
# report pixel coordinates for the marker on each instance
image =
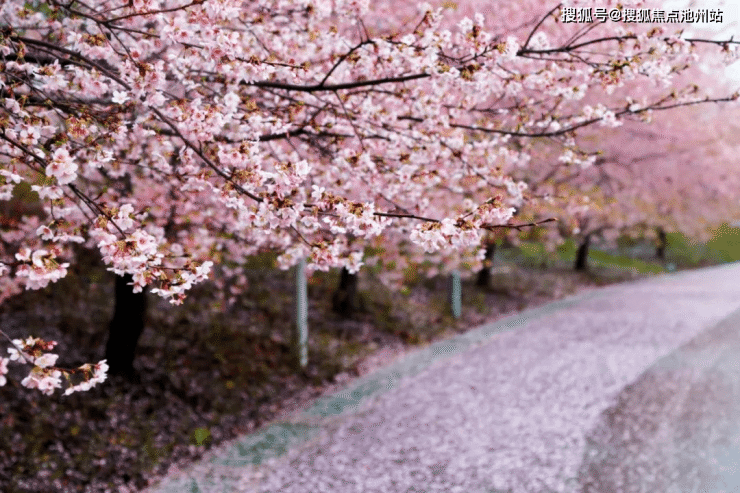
(675, 175)
(175, 135)
(596, 200)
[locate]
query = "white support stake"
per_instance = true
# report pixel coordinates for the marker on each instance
(456, 294)
(301, 335)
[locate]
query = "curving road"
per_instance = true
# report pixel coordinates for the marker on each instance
(630, 388)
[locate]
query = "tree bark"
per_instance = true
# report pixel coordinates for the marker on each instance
(344, 300)
(581, 263)
(484, 275)
(125, 327)
(662, 244)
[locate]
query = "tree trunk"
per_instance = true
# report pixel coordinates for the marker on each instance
(662, 244)
(582, 255)
(125, 327)
(484, 275)
(344, 300)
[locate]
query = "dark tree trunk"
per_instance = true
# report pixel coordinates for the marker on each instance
(484, 275)
(344, 300)
(662, 244)
(125, 328)
(582, 255)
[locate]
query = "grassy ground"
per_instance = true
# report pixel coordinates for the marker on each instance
(724, 246)
(209, 372)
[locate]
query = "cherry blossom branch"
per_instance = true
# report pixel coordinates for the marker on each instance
(407, 216)
(151, 12)
(518, 227)
(71, 53)
(44, 375)
(17, 347)
(537, 26)
(337, 87)
(343, 58)
(569, 48)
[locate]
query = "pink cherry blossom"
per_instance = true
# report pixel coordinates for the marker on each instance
(62, 167)
(3, 370)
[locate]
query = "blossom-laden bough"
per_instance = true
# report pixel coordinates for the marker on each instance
(174, 136)
(44, 375)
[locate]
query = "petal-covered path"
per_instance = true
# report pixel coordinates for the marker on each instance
(527, 404)
(677, 428)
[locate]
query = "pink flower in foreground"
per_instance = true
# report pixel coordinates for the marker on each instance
(46, 360)
(99, 374)
(119, 97)
(44, 380)
(62, 167)
(3, 370)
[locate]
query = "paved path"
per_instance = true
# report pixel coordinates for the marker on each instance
(677, 428)
(611, 391)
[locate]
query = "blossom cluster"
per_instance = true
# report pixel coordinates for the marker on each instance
(44, 375)
(40, 267)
